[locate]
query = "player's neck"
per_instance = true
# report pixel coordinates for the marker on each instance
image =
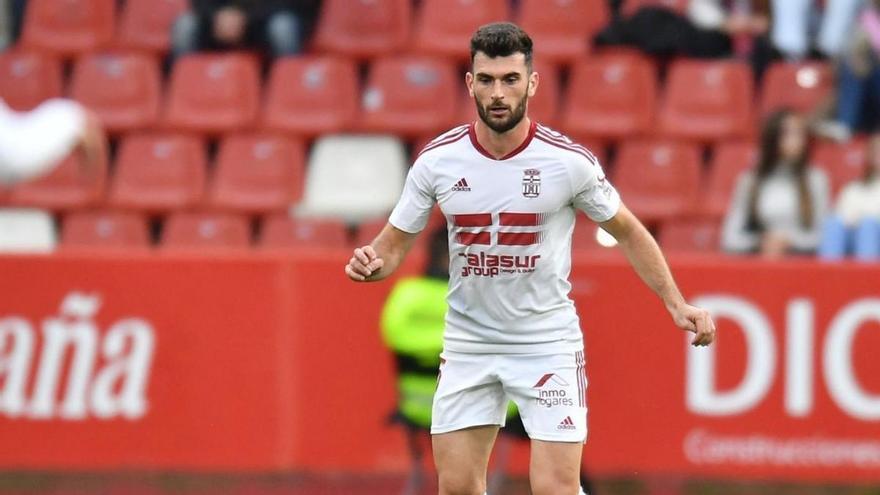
(500, 145)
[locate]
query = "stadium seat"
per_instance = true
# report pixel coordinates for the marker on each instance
(610, 97)
(311, 95)
(729, 161)
(28, 78)
(631, 6)
(123, 90)
(146, 24)
(843, 163)
(105, 230)
(205, 231)
(26, 231)
(364, 28)
(354, 178)
(213, 93)
(258, 173)
(445, 27)
(707, 101)
(67, 187)
(159, 173)
(283, 232)
(689, 236)
(563, 29)
(68, 27)
(544, 107)
(799, 86)
(658, 180)
(409, 96)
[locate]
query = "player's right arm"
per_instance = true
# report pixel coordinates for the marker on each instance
(387, 251)
(381, 258)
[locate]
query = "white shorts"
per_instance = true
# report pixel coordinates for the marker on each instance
(549, 390)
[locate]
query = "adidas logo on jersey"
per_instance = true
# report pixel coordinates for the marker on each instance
(461, 185)
(566, 424)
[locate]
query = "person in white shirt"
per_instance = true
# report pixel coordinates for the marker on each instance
(855, 226)
(779, 207)
(33, 143)
(509, 189)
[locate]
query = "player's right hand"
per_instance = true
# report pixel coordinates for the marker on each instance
(364, 263)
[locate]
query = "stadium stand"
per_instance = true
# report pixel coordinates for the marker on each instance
(364, 29)
(28, 77)
(105, 230)
(69, 27)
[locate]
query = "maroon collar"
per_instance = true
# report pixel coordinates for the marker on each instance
(472, 133)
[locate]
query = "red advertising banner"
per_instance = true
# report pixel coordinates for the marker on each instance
(275, 363)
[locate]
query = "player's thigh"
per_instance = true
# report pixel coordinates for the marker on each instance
(469, 393)
(555, 467)
(461, 458)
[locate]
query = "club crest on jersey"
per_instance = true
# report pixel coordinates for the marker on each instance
(531, 183)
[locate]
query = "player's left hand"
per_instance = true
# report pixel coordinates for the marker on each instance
(697, 320)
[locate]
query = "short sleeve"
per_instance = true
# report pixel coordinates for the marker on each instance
(414, 207)
(592, 191)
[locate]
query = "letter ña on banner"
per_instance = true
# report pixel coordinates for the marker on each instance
(108, 372)
(761, 360)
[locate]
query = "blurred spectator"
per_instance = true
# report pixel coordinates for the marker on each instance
(855, 226)
(278, 27)
(858, 79)
(778, 207)
(5, 24)
(32, 143)
(794, 20)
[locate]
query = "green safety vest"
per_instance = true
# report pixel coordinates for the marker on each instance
(412, 324)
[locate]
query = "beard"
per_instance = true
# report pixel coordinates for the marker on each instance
(514, 115)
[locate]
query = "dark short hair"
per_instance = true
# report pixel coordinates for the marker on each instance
(501, 39)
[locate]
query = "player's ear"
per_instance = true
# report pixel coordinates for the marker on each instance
(533, 83)
(469, 81)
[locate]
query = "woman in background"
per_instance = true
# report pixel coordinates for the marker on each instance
(855, 226)
(778, 208)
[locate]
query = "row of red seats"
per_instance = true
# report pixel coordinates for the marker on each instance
(199, 231)
(260, 173)
(360, 28)
(608, 97)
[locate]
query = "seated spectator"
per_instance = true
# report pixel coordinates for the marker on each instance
(276, 26)
(778, 207)
(858, 79)
(855, 226)
(792, 30)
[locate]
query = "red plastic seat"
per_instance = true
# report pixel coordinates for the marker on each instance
(67, 187)
(611, 97)
(410, 96)
(445, 27)
(801, 87)
(843, 163)
(146, 24)
(159, 173)
(658, 180)
(631, 6)
(213, 93)
(123, 90)
(311, 95)
(68, 27)
(728, 162)
(543, 107)
(28, 78)
(282, 232)
(364, 28)
(105, 230)
(562, 30)
(201, 231)
(707, 101)
(258, 173)
(688, 236)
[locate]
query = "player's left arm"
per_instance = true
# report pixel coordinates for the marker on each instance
(646, 258)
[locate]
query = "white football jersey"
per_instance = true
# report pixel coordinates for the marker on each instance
(510, 223)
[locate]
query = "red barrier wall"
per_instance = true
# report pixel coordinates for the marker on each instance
(274, 362)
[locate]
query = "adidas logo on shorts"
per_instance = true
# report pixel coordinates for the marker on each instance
(566, 424)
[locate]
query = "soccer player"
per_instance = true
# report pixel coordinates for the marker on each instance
(509, 189)
(33, 143)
